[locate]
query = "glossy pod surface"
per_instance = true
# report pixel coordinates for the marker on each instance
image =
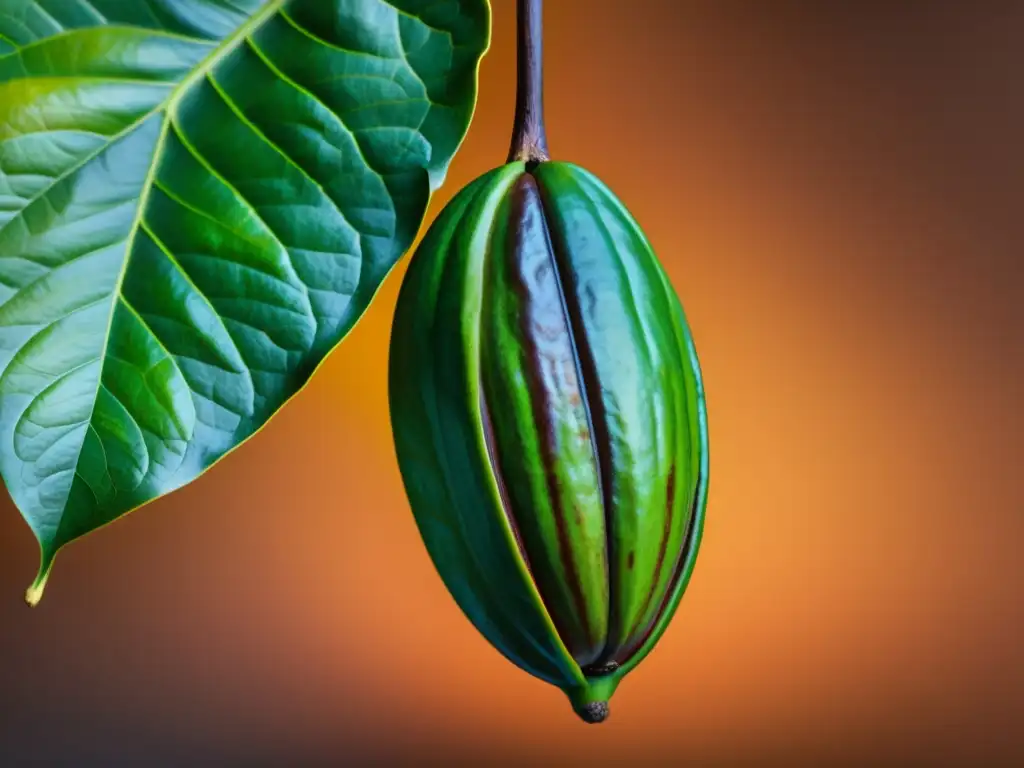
(550, 425)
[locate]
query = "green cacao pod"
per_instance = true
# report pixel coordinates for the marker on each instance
(550, 424)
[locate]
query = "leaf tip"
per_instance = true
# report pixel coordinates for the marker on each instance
(35, 592)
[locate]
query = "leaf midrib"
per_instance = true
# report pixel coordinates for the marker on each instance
(169, 103)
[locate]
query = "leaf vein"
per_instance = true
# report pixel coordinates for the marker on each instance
(138, 316)
(44, 329)
(326, 43)
(188, 278)
(175, 198)
(302, 89)
(45, 13)
(93, 9)
(217, 175)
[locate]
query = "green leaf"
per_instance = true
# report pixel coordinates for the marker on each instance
(198, 200)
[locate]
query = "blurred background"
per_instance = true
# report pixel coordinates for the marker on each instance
(836, 191)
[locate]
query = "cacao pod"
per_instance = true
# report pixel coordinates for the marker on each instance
(550, 425)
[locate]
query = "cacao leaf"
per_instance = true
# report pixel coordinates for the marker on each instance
(198, 200)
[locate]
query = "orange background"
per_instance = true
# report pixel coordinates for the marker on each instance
(835, 190)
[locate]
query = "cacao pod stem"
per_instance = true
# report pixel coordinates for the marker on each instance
(529, 139)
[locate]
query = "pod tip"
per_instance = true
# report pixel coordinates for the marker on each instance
(594, 712)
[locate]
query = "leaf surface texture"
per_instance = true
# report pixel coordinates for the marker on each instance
(198, 200)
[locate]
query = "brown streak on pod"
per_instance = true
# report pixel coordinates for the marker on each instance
(685, 551)
(499, 477)
(528, 216)
(597, 418)
(660, 563)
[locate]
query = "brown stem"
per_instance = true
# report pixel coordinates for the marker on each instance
(529, 141)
